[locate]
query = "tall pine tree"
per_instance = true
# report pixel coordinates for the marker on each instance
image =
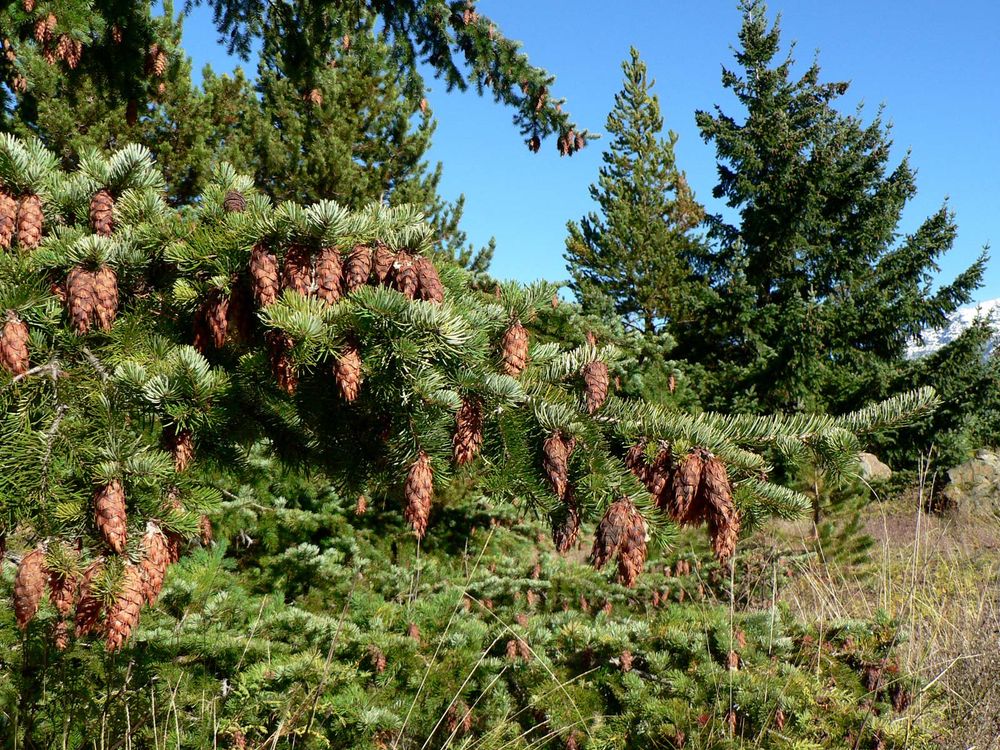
(817, 292)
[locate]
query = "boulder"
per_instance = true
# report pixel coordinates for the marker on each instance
(975, 485)
(872, 469)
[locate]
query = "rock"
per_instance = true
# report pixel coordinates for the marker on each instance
(872, 469)
(975, 485)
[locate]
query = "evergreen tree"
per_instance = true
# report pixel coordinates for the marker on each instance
(637, 251)
(817, 296)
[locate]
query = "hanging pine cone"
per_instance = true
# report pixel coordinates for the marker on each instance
(102, 208)
(62, 594)
(296, 274)
(566, 524)
(123, 614)
(89, 606)
(382, 260)
(29, 585)
(109, 510)
(431, 288)
(459, 719)
(378, 659)
(8, 218)
(635, 461)
(155, 560)
(357, 268)
(716, 498)
(660, 476)
(361, 507)
(156, 61)
(595, 377)
(468, 436)
(279, 347)
(684, 506)
(632, 554)
(514, 349)
(234, 202)
(625, 661)
(621, 533)
(329, 274)
(419, 492)
(205, 531)
(555, 461)
(14, 345)
(180, 444)
(211, 321)
(264, 272)
(347, 371)
(404, 275)
(29, 221)
(105, 296)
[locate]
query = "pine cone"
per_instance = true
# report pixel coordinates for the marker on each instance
(419, 492)
(468, 436)
(297, 273)
(8, 218)
(413, 632)
(123, 614)
(632, 554)
(234, 202)
(264, 272)
(514, 349)
(205, 530)
(180, 443)
(329, 274)
(89, 606)
(211, 322)
(566, 524)
(404, 275)
(431, 288)
(382, 261)
(81, 298)
(156, 559)
(106, 296)
(625, 660)
(109, 507)
(102, 208)
(156, 61)
(685, 506)
(612, 531)
(62, 592)
(660, 476)
(280, 353)
(595, 376)
(14, 345)
(357, 268)
(347, 371)
(378, 659)
(29, 585)
(459, 719)
(361, 507)
(555, 461)
(29, 221)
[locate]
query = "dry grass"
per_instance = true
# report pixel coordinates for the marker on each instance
(939, 576)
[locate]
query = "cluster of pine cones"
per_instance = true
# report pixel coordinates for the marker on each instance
(21, 217)
(693, 489)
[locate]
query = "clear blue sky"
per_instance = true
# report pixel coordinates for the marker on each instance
(935, 66)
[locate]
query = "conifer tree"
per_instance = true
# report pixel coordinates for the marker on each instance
(817, 293)
(638, 250)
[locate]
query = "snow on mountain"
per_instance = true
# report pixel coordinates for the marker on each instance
(958, 321)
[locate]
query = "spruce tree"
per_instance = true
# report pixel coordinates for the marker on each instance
(637, 251)
(817, 293)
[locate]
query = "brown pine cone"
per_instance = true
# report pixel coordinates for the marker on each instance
(63, 590)
(109, 514)
(81, 298)
(357, 268)
(155, 560)
(468, 436)
(382, 260)
(264, 272)
(514, 349)
(361, 507)
(205, 530)
(611, 532)
(102, 208)
(106, 296)
(156, 61)
(413, 631)
(555, 461)
(685, 506)
(29, 585)
(566, 524)
(279, 347)
(635, 461)
(595, 376)
(329, 274)
(632, 554)
(8, 218)
(419, 492)
(431, 288)
(234, 202)
(123, 614)
(378, 659)
(347, 371)
(404, 275)
(180, 444)
(89, 606)
(625, 660)
(29, 221)
(14, 345)
(297, 274)
(212, 321)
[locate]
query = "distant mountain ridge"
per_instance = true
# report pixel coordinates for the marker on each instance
(958, 322)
